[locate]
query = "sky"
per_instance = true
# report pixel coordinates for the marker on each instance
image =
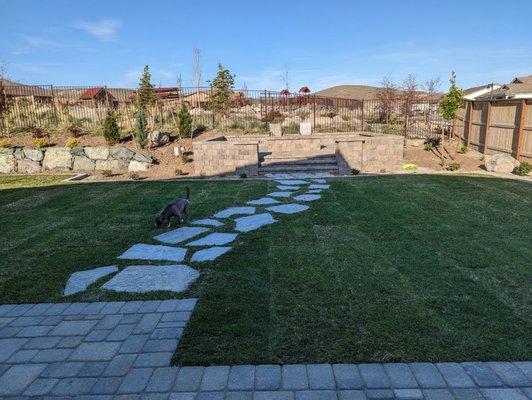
(320, 43)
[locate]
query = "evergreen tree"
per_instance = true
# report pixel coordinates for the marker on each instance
(146, 92)
(222, 96)
(111, 131)
(185, 122)
(141, 125)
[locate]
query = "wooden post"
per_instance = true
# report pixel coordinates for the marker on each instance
(469, 123)
(520, 130)
(486, 132)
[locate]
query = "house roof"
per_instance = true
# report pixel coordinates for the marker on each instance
(522, 79)
(304, 89)
(520, 87)
(285, 92)
(91, 93)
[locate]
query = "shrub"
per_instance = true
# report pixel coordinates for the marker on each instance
(409, 167)
(428, 146)
(290, 129)
(237, 126)
(454, 166)
(41, 142)
(110, 130)
(303, 114)
(5, 143)
(75, 130)
(392, 129)
(38, 133)
(330, 114)
(355, 171)
(71, 143)
(200, 128)
(185, 158)
(178, 172)
(107, 173)
(141, 125)
(345, 117)
(274, 116)
(243, 176)
(463, 150)
(523, 169)
(134, 176)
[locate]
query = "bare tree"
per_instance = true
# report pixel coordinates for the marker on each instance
(386, 96)
(286, 77)
(196, 69)
(432, 85)
(409, 97)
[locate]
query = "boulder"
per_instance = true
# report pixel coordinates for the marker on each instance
(82, 163)
(97, 153)
(112, 165)
(28, 166)
(58, 158)
(34, 154)
(501, 163)
(159, 138)
(18, 153)
(7, 163)
(7, 150)
(121, 152)
(143, 158)
(77, 151)
(136, 166)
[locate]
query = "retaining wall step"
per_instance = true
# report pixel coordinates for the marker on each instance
(332, 168)
(310, 161)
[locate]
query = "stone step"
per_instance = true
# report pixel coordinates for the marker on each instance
(302, 160)
(289, 167)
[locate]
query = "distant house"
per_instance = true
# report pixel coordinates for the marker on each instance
(474, 92)
(519, 88)
(19, 90)
(99, 95)
(197, 99)
(304, 90)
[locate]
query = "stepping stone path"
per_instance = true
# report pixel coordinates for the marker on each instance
(208, 222)
(288, 208)
(209, 254)
(229, 212)
(181, 234)
(288, 187)
(252, 222)
(307, 197)
(262, 201)
(292, 182)
(319, 181)
(314, 191)
(214, 239)
(144, 251)
(149, 278)
(80, 281)
(280, 194)
(319, 186)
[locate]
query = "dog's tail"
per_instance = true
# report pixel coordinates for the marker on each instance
(188, 192)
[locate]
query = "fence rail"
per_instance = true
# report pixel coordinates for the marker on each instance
(499, 127)
(58, 107)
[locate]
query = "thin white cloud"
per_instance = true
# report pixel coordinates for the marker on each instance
(104, 29)
(37, 41)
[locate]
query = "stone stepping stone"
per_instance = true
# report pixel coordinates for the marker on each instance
(229, 212)
(214, 239)
(288, 187)
(142, 251)
(323, 181)
(288, 208)
(307, 197)
(319, 186)
(207, 222)
(210, 254)
(292, 182)
(180, 234)
(314, 191)
(280, 194)
(263, 201)
(252, 222)
(150, 278)
(80, 281)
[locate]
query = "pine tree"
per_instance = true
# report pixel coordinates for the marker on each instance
(141, 125)
(111, 131)
(222, 96)
(146, 92)
(185, 122)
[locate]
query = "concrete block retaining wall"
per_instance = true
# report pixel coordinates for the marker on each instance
(82, 159)
(223, 157)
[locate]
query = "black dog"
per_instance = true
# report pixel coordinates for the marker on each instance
(177, 209)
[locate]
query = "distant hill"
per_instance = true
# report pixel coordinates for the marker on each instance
(350, 92)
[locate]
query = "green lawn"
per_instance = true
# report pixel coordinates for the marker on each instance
(394, 268)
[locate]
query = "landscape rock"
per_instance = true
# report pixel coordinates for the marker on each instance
(307, 197)
(97, 153)
(77, 151)
(180, 234)
(229, 212)
(7, 163)
(159, 138)
(7, 150)
(121, 152)
(500, 163)
(34, 154)
(209, 254)
(18, 153)
(142, 158)
(252, 222)
(262, 201)
(215, 239)
(28, 166)
(150, 278)
(57, 158)
(136, 166)
(207, 222)
(291, 208)
(143, 251)
(80, 281)
(118, 165)
(83, 163)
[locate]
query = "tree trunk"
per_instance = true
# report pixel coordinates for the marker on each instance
(442, 148)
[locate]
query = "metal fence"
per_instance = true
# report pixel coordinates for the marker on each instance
(59, 107)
